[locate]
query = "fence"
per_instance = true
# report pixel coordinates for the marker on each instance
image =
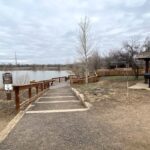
(77, 80)
(40, 87)
(118, 72)
(59, 79)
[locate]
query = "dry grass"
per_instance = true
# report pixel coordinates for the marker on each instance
(7, 112)
(127, 114)
(7, 107)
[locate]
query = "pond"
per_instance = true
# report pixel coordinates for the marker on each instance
(25, 76)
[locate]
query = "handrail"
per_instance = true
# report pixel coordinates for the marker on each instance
(40, 86)
(59, 78)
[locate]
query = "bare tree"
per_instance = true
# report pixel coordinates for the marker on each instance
(94, 61)
(132, 48)
(78, 69)
(85, 46)
(147, 44)
(116, 58)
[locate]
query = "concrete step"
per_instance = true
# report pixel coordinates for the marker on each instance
(57, 98)
(62, 89)
(58, 94)
(57, 111)
(55, 106)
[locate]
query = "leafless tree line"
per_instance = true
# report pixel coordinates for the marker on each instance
(91, 60)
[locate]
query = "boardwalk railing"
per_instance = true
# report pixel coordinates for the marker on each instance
(59, 79)
(40, 88)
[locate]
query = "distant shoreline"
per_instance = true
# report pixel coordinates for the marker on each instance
(30, 69)
(35, 67)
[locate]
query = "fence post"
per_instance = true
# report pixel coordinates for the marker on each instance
(29, 92)
(65, 79)
(37, 90)
(59, 79)
(47, 85)
(8, 94)
(42, 86)
(17, 99)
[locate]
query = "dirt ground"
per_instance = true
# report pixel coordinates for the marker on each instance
(125, 111)
(7, 107)
(7, 113)
(122, 115)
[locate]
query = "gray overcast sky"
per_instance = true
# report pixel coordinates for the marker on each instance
(45, 31)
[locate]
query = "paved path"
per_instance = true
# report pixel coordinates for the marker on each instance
(59, 98)
(53, 122)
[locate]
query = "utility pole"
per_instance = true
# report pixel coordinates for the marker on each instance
(15, 58)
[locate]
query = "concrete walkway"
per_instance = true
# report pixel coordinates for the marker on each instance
(53, 122)
(140, 86)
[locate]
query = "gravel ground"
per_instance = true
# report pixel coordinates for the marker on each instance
(65, 131)
(93, 129)
(115, 122)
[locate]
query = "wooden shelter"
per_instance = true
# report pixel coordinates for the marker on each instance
(146, 57)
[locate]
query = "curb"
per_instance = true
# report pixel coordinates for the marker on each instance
(81, 97)
(5, 132)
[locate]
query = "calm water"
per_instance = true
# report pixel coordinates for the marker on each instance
(24, 77)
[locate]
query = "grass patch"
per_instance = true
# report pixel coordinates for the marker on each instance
(122, 78)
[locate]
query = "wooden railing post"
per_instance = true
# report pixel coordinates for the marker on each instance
(37, 90)
(8, 94)
(59, 79)
(29, 92)
(17, 99)
(42, 86)
(65, 79)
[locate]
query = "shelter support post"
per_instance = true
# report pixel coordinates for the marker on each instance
(146, 69)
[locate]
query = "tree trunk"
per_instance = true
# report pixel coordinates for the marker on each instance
(86, 71)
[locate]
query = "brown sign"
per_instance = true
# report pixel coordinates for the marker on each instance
(7, 78)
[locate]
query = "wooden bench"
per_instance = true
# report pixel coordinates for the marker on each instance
(147, 77)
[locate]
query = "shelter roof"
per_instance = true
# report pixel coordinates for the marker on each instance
(143, 55)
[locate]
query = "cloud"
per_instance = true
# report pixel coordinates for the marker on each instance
(45, 31)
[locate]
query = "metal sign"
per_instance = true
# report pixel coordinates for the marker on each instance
(7, 78)
(7, 81)
(8, 87)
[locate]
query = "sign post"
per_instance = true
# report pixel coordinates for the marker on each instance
(7, 81)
